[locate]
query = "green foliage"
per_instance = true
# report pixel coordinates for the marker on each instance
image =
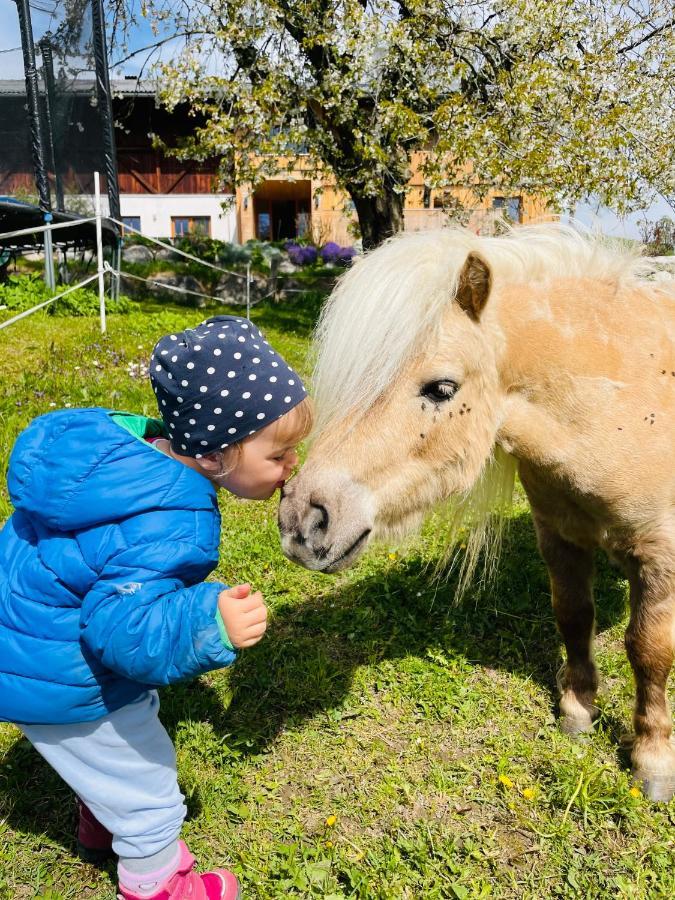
(23, 292)
(557, 99)
(659, 237)
(214, 250)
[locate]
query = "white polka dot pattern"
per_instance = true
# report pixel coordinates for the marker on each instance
(193, 365)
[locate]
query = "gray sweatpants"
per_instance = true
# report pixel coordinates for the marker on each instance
(123, 767)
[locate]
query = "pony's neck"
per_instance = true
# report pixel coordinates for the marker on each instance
(564, 352)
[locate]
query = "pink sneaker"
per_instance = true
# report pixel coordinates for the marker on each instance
(184, 884)
(94, 842)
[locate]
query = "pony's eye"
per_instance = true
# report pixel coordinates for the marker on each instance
(439, 391)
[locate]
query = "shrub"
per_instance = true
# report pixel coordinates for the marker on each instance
(334, 255)
(25, 291)
(302, 255)
(330, 253)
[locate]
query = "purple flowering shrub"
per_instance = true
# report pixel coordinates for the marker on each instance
(334, 255)
(301, 254)
(331, 254)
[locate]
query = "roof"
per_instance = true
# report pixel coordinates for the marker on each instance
(124, 87)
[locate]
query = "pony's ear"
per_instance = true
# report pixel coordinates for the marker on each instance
(475, 281)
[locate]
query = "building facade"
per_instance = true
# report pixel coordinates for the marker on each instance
(293, 205)
(160, 195)
(164, 197)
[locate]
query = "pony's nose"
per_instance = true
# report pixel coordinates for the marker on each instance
(325, 520)
(321, 524)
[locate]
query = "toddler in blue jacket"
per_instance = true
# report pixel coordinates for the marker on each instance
(102, 590)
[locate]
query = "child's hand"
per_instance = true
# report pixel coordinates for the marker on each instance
(244, 615)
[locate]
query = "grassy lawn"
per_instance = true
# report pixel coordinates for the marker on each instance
(382, 741)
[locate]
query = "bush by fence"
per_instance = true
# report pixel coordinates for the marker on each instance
(22, 292)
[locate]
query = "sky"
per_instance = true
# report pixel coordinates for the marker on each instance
(11, 66)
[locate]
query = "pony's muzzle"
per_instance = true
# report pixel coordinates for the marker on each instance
(325, 520)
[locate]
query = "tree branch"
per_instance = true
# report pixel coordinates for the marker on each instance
(647, 37)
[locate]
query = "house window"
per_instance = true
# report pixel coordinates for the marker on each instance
(264, 226)
(184, 225)
(132, 222)
(510, 206)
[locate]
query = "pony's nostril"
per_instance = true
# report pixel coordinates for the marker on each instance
(322, 524)
(321, 552)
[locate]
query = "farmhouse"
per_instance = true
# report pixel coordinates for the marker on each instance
(165, 197)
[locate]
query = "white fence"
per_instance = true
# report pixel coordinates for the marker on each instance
(663, 266)
(104, 268)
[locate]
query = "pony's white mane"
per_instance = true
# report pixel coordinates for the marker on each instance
(391, 298)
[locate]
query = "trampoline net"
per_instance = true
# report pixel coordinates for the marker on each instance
(71, 118)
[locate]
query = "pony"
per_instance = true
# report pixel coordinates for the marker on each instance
(445, 360)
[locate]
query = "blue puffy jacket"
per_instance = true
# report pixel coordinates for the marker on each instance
(102, 569)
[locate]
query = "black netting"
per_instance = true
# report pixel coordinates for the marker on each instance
(74, 113)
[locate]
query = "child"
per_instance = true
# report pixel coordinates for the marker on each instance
(102, 591)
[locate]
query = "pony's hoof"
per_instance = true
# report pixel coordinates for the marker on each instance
(659, 788)
(576, 725)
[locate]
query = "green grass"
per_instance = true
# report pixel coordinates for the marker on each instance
(373, 698)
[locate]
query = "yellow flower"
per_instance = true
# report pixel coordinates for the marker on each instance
(331, 820)
(528, 793)
(329, 844)
(635, 792)
(506, 781)
(392, 556)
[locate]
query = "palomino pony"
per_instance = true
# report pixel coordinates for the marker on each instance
(442, 356)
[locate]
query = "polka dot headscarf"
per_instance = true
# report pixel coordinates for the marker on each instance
(218, 383)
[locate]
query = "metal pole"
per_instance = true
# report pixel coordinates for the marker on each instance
(99, 250)
(33, 100)
(117, 264)
(48, 73)
(105, 106)
(248, 290)
(50, 277)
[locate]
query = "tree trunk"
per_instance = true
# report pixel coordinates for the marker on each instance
(379, 217)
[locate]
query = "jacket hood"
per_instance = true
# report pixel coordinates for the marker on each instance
(77, 468)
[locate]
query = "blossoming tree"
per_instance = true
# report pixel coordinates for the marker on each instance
(566, 98)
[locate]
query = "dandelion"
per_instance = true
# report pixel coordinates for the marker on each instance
(635, 792)
(505, 781)
(331, 820)
(329, 844)
(392, 556)
(528, 793)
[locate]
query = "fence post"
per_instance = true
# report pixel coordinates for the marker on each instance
(99, 251)
(50, 277)
(248, 290)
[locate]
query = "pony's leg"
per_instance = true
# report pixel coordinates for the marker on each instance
(649, 642)
(571, 573)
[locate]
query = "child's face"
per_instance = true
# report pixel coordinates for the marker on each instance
(263, 465)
